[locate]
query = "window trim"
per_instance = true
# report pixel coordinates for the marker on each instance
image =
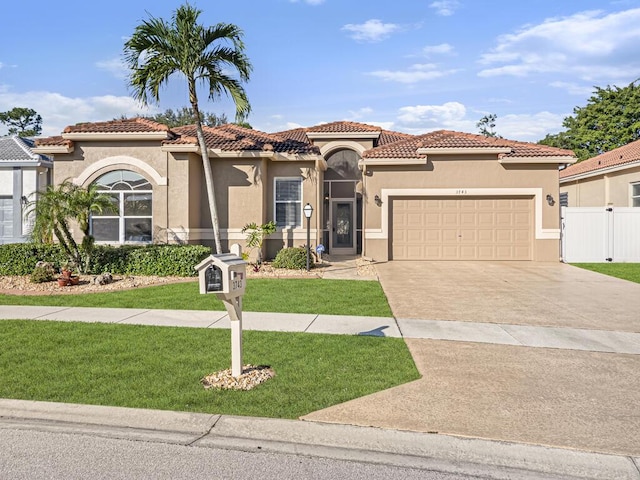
(633, 197)
(121, 217)
(298, 224)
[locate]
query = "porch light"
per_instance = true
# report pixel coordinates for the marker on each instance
(308, 211)
(377, 200)
(550, 200)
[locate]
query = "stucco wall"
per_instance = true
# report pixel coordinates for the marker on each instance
(611, 189)
(459, 175)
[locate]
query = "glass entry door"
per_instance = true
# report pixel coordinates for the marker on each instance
(342, 227)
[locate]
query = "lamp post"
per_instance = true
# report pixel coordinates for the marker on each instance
(308, 211)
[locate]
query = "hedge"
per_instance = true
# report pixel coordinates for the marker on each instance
(161, 260)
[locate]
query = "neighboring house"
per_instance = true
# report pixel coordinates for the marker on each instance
(610, 179)
(22, 173)
(386, 195)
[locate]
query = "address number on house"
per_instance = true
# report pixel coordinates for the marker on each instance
(461, 192)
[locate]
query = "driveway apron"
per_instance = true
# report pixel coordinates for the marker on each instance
(518, 293)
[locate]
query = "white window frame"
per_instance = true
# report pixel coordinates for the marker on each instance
(121, 217)
(632, 196)
(276, 201)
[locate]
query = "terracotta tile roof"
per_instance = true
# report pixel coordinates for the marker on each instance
(407, 148)
(233, 138)
(18, 149)
(344, 127)
(386, 136)
(53, 142)
(128, 125)
(626, 154)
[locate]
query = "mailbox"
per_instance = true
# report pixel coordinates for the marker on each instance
(224, 274)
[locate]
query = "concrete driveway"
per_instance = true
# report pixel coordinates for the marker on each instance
(519, 293)
(564, 397)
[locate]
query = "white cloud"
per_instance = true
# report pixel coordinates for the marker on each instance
(529, 127)
(445, 7)
(370, 31)
(360, 113)
(419, 119)
(437, 116)
(441, 49)
(590, 45)
(114, 66)
(416, 73)
(59, 111)
(573, 88)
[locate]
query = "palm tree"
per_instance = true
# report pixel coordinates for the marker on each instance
(56, 206)
(203, 55)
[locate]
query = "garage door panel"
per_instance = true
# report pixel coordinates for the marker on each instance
(462, 228)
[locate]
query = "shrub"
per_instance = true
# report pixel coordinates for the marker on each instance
(43, 272)
(21, 258)
(165, 260)
(293, 258)
(161, 260)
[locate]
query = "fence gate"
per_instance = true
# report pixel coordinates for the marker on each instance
(600, 234)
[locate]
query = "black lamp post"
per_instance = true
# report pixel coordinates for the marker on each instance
(308, 211)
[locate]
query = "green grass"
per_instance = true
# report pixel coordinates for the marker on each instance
(626, 271)
(161, 367)
(329, 297)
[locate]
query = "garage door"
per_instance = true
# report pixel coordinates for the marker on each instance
(469, 228)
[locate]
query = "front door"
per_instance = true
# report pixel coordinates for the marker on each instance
(342, 228)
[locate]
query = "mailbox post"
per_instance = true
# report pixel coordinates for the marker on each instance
(225, 275)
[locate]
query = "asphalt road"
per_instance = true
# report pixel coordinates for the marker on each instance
(32, 455)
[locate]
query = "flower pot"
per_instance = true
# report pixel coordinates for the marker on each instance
(63, 282)
(74, 280)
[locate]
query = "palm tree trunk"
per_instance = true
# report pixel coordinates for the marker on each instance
(208, 174)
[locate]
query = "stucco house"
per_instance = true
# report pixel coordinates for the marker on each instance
(22, 173)
(610, 179)
(386, 195)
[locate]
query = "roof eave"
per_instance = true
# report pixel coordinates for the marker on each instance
(180, 148)
(341, 135)
(27, 163)
(392, 161)
(463, 150)
(102, 136)
(601, 171)
(53, 149)
(527, 160)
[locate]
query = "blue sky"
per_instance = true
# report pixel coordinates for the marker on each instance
(407, 65)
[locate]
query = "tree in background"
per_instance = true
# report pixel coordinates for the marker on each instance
(24, 122)
(185, 116)
(202, 55)
(487, 124)
(610, 120)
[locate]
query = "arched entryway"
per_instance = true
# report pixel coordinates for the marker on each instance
(342, 205)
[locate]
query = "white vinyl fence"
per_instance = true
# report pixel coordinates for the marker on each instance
(600, 234)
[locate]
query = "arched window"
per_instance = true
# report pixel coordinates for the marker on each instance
(343, 165)
(131, 219)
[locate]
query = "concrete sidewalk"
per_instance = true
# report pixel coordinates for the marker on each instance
(494, 333)
(475, 457)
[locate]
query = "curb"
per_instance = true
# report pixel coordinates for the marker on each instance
(435, 452)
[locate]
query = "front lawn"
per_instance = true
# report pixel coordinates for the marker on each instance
(329, 297)
(626, 271)
(161, 367)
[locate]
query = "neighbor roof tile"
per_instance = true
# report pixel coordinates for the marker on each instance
(626, 154)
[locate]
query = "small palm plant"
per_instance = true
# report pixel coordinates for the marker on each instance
(255, 238)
